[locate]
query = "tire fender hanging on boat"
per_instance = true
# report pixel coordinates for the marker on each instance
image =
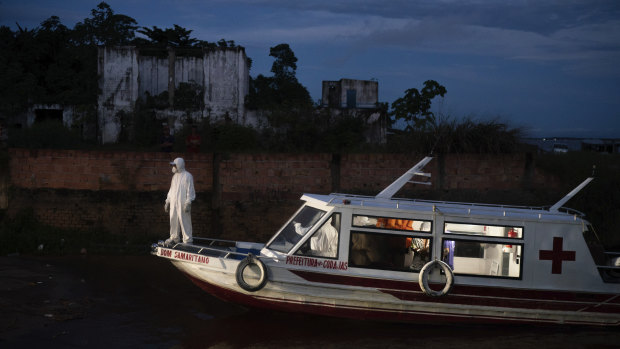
(425, 272)
(251, 260)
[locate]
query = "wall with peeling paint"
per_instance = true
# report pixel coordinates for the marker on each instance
(125, 75)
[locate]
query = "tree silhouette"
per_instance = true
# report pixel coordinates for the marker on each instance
(414, 107)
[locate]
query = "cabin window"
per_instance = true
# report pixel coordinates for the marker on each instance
(296, 229)
(509, 232)
(388, 251)
(483, 258)
(391, 223)
(324, 241)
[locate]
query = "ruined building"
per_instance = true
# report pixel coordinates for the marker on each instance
(358, 98)
(218, 80)
(220, 75)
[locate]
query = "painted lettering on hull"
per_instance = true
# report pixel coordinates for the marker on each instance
(183, 256)
(315, 263)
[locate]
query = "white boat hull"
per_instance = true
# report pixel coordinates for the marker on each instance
(333, 294)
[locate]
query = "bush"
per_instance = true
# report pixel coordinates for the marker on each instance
(46, 134)
(467, 136)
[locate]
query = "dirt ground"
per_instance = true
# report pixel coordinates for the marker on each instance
(143, 301)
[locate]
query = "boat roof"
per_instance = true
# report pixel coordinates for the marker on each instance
(385, 201)
(444, 207)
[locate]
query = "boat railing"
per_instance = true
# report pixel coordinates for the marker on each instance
(207, 247)
(467, 208)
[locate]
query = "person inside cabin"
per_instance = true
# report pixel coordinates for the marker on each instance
(368, 250)
(448, 253)
(324, 243)
(393, 223)
(421, 255)
(179, 203)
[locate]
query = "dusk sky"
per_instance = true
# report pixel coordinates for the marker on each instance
(551, 67)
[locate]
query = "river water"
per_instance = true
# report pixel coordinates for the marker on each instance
(143, 301)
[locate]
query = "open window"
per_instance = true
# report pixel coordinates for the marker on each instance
(388, 251)
(509, 232)
(296, 229)
(483, 258)
(391, 223)
(324, 241)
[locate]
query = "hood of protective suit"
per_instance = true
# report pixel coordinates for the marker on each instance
(180, 163)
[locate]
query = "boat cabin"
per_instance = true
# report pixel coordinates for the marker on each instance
(483, 245)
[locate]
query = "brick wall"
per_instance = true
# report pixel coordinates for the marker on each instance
(102, 170)
(239, 196)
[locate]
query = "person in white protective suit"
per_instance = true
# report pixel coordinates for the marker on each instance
(179, 203)
(325, 241)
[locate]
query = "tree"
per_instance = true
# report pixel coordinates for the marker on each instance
(285, 63)
(414, 107)
(17, 83)
(282, 90)
(105, 28)
(174, 37)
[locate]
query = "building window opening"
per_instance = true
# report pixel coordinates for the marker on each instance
(43, 115)
(351, 98)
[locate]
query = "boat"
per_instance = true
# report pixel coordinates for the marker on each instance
(385, 258)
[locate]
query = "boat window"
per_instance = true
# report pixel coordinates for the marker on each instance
(389, 252)
(391, 223)
(296, 229)
(324, 241)
(483, 258)
(485, 230)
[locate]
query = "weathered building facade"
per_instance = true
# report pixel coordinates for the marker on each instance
(350, 94)
(359, 98)
(221, 74)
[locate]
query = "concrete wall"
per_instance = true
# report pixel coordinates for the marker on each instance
(367, 93)
(118, 71)
(226, 77)
(125, 75)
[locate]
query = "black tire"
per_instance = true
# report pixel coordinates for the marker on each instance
(251, 260)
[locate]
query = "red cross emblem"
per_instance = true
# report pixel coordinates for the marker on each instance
(556, 256)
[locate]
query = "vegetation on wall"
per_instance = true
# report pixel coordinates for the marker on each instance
(47, 135)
